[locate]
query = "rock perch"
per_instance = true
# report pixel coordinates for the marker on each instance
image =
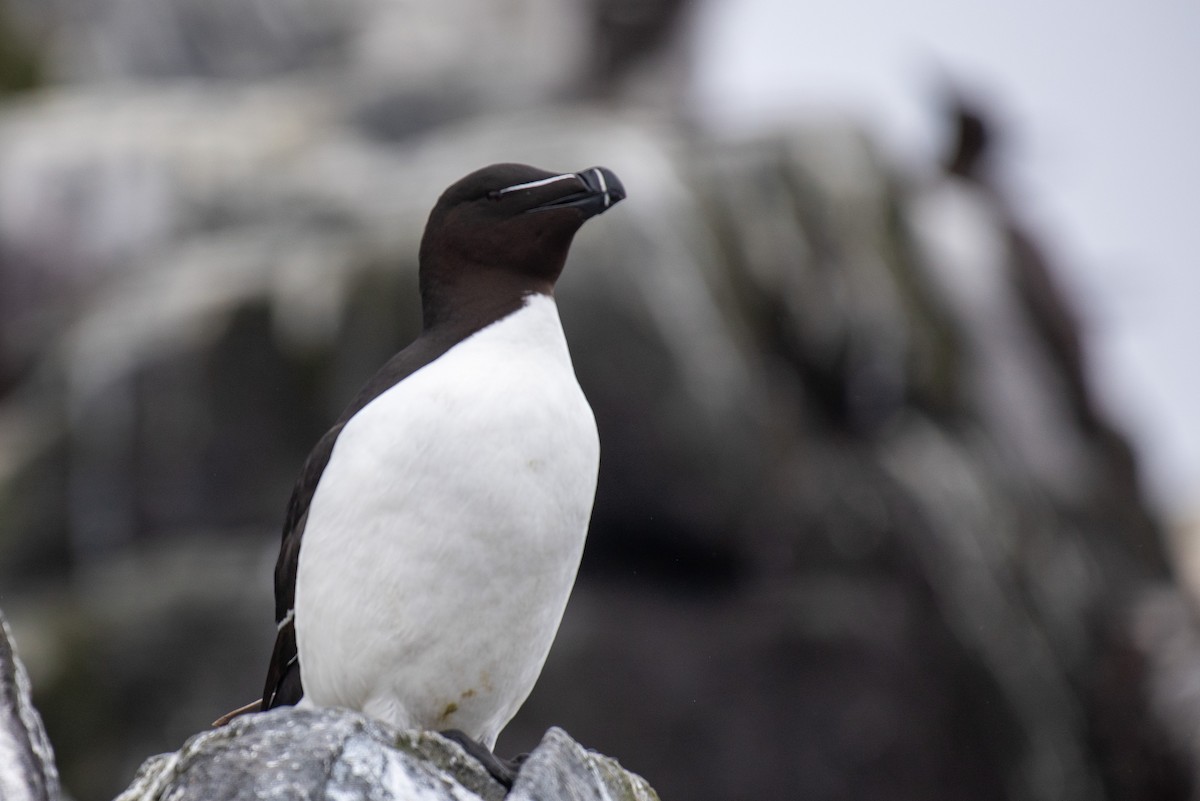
(294, 753)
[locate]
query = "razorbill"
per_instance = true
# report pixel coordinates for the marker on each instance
(433, 537)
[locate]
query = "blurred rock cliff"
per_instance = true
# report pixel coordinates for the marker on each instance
(860, 531)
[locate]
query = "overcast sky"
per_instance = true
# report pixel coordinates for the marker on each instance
(1101, 106)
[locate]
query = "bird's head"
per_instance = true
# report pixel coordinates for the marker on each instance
(508, 226)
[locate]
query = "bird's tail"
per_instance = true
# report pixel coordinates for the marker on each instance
(253, 706)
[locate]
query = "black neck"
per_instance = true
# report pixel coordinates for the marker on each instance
(472, 299)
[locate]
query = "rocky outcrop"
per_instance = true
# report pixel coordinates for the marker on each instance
(290, 753)
(27, 771)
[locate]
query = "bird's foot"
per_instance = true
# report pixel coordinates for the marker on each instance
(502, 770)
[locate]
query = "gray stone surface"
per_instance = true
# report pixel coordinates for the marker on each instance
(335, 754)
(27, 770)
(560, 769)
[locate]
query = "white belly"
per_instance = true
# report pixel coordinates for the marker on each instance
(444, 537)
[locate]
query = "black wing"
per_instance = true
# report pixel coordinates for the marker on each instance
(283, 685)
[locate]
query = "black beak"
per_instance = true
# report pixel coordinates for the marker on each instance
(602, 190)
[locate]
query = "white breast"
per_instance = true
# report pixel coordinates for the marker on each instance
(444, 537)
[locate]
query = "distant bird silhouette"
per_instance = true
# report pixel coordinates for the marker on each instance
(968, 155)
